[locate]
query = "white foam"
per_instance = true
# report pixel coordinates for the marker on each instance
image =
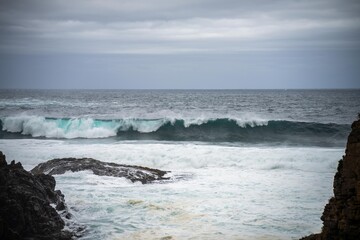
(196, 121)
(144, 126)
(37, 126)
(181, 156)
(252, 122)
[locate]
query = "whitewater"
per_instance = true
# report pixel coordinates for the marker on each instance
(250, 164)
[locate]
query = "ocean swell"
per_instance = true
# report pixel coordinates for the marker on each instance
(209, 130)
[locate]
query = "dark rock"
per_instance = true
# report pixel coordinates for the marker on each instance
(341, 216)
(25, 211)
(2, 160)
(311, 237)
(133, 173)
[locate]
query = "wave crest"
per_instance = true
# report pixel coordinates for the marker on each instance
(202, 129)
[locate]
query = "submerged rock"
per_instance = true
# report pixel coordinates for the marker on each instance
(133, 173)
(25, 210)
(341, 216)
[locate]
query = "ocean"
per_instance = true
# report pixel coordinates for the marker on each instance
(246, 164)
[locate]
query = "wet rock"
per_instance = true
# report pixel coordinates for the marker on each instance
(341, 216)
(25, 210)
(133, 173)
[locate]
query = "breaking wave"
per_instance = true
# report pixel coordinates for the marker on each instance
(208, 130)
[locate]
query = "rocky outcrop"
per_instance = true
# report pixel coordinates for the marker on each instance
(133, 173)
(31, 208)
(29, 204)
(341, 216)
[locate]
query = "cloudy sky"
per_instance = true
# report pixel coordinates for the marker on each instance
(179, 44)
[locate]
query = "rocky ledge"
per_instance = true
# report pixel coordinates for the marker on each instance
(29, 205)
(133, 173)
(341, 216)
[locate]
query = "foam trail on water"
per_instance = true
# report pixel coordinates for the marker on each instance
(169, 156)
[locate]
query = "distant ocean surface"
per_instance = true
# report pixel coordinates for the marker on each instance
(257, 164)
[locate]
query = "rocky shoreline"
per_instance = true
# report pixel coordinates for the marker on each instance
(30, 207)
(341, 216)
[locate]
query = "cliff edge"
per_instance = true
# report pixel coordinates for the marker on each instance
(341, 216)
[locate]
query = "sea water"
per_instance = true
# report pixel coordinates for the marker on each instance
(246, 164)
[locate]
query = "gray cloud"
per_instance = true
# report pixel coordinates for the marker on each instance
(160, 26)
(179, 44)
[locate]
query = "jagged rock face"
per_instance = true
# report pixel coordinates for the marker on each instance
(25, 211)
(341, 215)
(133, 173)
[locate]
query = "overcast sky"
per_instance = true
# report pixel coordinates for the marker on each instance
(179, 44)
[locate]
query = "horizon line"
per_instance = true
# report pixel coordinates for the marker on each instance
(175, 89)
